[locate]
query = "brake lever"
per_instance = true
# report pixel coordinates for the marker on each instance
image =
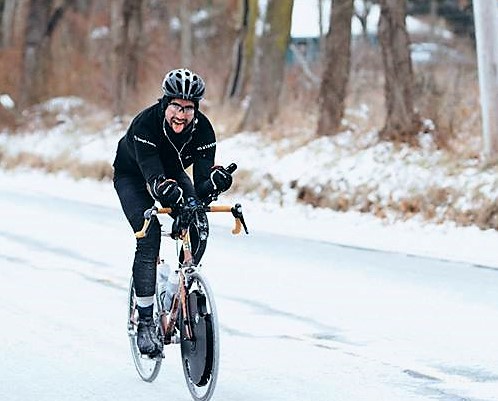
(148, 214)
(244, 224)
(237, 214)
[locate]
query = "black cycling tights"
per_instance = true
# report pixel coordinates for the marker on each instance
(135, 199)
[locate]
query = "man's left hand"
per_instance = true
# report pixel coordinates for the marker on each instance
(220, 178)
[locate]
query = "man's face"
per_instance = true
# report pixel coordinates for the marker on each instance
(179, 114)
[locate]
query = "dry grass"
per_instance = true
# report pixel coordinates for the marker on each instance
(8, 119)
(63, 163)
(487, 216)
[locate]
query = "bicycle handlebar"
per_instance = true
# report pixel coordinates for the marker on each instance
(236, 211)
(188, 210)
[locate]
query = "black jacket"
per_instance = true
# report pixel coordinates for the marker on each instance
(150, 148)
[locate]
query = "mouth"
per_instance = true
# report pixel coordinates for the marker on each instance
(178, 124)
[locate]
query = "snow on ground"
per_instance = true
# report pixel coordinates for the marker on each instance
(272, 173)
(355, 229)
(357, 171)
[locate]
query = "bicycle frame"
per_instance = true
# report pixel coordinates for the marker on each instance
(180, 298)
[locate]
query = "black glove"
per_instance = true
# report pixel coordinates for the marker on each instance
(220, 178)
(192, 209)
(166, 191)
(193, 203)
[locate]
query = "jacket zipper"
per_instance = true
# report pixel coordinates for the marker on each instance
(178, 152)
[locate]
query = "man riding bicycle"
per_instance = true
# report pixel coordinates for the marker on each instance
(151, 158)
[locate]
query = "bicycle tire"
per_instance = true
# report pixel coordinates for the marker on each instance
(198, 236)
(147, 368)
(201, 379)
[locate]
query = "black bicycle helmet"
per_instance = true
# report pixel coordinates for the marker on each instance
(183, 84)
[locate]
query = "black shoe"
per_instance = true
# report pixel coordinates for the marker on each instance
(147, 340)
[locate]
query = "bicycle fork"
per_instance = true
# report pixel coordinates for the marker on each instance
(169, 323)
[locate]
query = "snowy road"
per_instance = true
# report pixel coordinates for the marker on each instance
(300, 320)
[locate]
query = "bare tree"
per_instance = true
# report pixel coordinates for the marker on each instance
(186, 44)
(320, 20)
(8, 14)
(241, 54)
(35, 52)
(43, 19)
(40, 26)
(402, 121)
(269, 61)
(126, 28)
(433, 15)
(486, 15)
(336, 71)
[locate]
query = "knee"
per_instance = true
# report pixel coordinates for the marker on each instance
(149, 245)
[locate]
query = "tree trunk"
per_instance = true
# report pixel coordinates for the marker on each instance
(8, 14)
(20, 16)
(402, 123)
(336, 72)
(126, 28)
(43, 18)
(186, 43)
(269, 63)
(134, 23)
(35, 53)
(320, 21)
(433, 17)
(235, 79)
(243, 53)
(486, 14)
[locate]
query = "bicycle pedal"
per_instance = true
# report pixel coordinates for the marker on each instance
(174, 339)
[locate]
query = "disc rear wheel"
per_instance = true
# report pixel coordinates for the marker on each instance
(200, 355)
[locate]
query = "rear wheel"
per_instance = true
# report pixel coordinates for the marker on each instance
(147, 368)
(200, 356)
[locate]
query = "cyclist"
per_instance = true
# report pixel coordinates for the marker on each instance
(150, 163)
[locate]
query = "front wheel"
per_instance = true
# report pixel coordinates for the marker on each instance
(147, 368)
(200, 355)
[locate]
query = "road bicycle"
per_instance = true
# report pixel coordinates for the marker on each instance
(192, 320)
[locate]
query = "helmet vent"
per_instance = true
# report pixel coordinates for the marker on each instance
(179, 87)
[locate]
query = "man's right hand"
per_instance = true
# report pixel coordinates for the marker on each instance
(166, 191)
